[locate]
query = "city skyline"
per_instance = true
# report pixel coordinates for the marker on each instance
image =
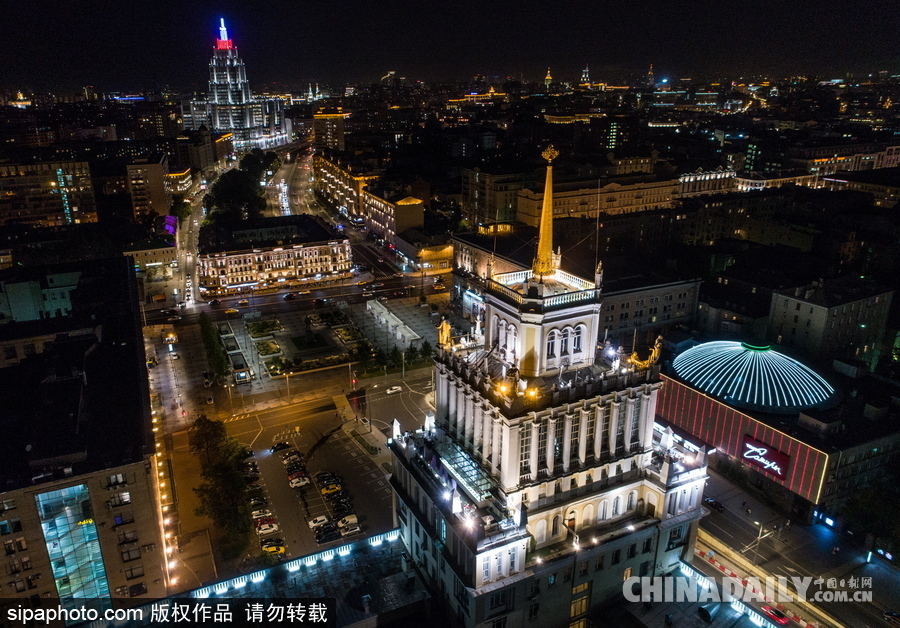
(133, 48)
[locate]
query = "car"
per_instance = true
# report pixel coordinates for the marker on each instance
(342, 510)
(298, 482)
(343, 503)
(303, 292)
(331, 488)
(269, 528)
(293, 465)
(328, 538)
(381, 260)
(250, 478)
(209, 401)
(247, 453)
(338, 496)
(168, 312)
(243, 302)
(360, 283)
(263, 521)
(260, 514)
(251, 466)
(231, 310)
(279, 446)
(291, 454)
(327, 476)
(368, 294)
(775, 614)
(256, 502)
(172, 319)
(714, 504)
(318, 521)
(273, 549)
(295, 475)
(290, 296)
(350, 530)
(393, 390)
(891, 617)
(377, 285)
(214, 302)
(272, 541)
(319, 301)
(381, 299)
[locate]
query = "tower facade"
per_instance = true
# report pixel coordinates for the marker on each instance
(541, 462)
(230, 106)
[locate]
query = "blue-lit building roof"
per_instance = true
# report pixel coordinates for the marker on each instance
(752, 377)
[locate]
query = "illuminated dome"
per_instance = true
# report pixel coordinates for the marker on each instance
(752, 377)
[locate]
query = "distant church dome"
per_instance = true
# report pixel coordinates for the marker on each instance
(752, 377)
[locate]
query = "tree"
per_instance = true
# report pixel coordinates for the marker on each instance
(205, 437)
(412, 354)
(236, 195)
(215, 353)
(395, 356)
(426, 349)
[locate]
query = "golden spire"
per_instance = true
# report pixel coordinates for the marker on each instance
(543, 261)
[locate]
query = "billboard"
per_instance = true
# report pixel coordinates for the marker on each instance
(764, 457)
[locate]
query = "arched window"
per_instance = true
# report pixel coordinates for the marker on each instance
(630, 504)
(617, 504)
(601, 512)
(576, 339)
(555, 529)
(551, 345)
(564, 343)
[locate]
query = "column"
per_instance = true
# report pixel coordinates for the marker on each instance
(649, 406)
(470, 417)
(551, 438)
(582, 435)
(567, 442)
(535, 438)
(509, 463)
(440, 396)
(495, 446)
(599, 412)
(613, 426)
(479, 420)
(486, 443)
(629, 421)
(460, 411)
(451, 406)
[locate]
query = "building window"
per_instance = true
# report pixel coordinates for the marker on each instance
(554, 530)
(551, 344)
(579, 606)
(134, 572)
(576, 340)
(627, 574)
(21, 545)
(499, 599)
(533, 610)
(632, 550)
(115, 480)
(616, 557)
(564, 343)
(128, 537)
(583, 568)
(486, 569)
(120, 499)
(616, 506)
(130, 554)
(648, 545)
(599, 565)
(499, 623)
(630, 505)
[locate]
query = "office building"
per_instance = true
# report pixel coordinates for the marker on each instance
(388, 212)
(46, 194)
(539, 484)
(328, 129)
(148, 184)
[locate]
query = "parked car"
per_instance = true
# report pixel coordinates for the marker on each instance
(318, 521)
(207, 383)
(393, 390)
(260, 514)
(296, 475)
(331, 488)
(368, 294)
(350, 530)
(274, 549)
(328, 538)
(269, 528)
(303, 292)
(272, 541)
(250, 478)
(264, 521)
(292, 453)
(298, 482)
(256, 502)
(337, 496)
(251, 466)
(247, 453)
(279, 446)
(321, 476)
(349, 520)
(714, 504)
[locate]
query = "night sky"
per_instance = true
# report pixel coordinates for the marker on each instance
(130, 44)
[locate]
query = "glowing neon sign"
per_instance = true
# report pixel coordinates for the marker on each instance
(765, 457)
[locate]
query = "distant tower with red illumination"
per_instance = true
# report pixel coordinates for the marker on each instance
(230, 107)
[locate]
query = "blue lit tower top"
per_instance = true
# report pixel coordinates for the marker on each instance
(227, 76)
(752, 377)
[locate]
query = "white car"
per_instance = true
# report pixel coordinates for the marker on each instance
(298, 482)
(259, 514)
(269, 528)
(350, 530)
(393, 390)
(318, 521)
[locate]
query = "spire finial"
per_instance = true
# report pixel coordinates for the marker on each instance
(223, 32)
(543, 261)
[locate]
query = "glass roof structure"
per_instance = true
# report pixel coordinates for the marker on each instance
(752, 377)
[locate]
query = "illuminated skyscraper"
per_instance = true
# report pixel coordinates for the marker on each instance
(230, 106)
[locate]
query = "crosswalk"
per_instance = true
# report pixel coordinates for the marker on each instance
(237, 417)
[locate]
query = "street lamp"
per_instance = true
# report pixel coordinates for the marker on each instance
(230, 399)
(759, 536)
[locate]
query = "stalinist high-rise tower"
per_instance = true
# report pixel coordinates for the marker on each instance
(542, 481)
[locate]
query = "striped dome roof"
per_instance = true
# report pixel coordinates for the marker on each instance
(752, 377)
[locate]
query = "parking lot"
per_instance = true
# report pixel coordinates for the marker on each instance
(364, 487)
